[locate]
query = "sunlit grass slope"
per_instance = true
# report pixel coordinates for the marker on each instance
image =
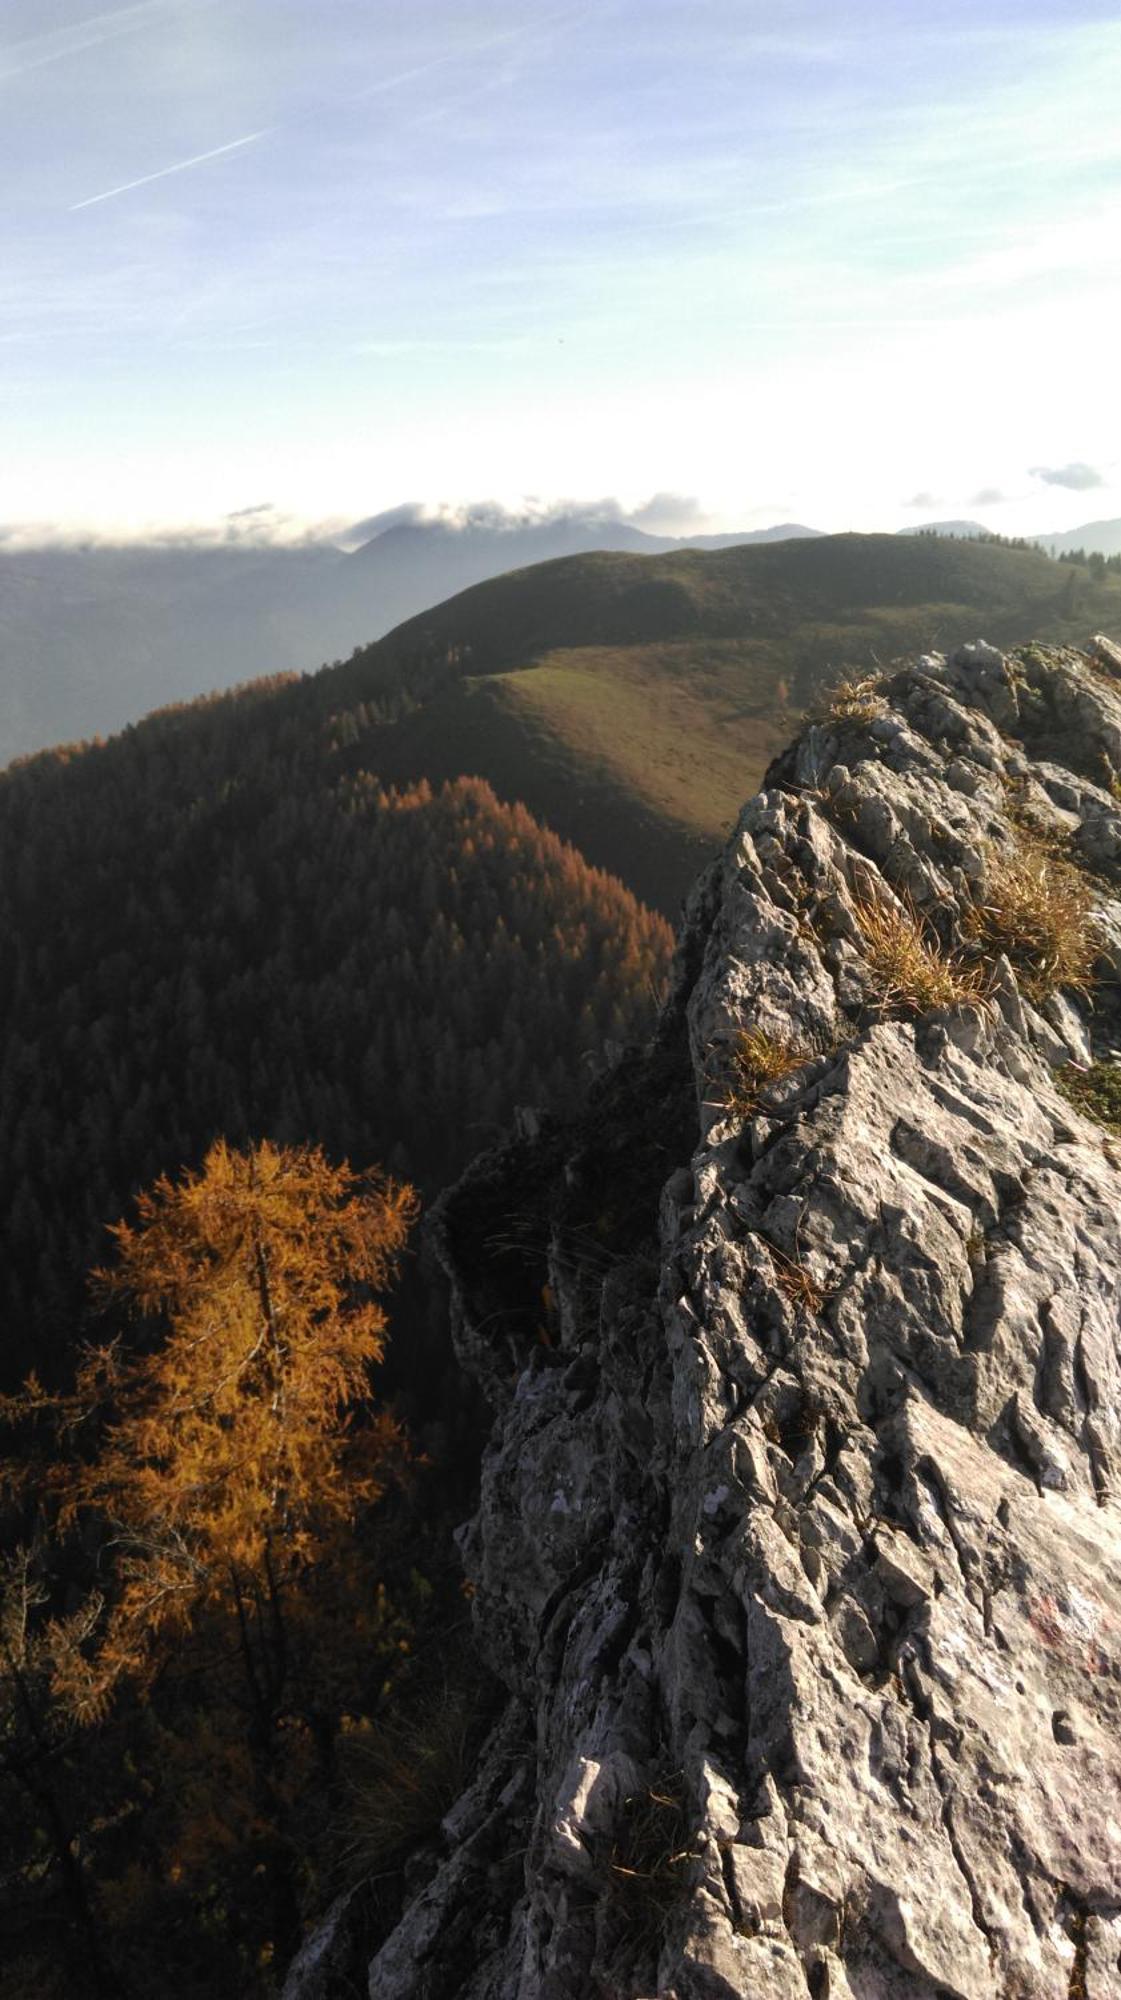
(635, 702)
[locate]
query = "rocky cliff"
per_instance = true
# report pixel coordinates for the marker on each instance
(799, 1548)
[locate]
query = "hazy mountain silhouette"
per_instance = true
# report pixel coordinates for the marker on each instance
(1102, 537)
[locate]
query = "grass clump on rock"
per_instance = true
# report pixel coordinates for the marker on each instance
(796, 1282)
(760, 1058)
(856, 700)
(652, 1859)
(1037, 909)
(650, 1868)
(908, 965)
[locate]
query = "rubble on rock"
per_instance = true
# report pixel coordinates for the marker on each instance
(798, 1546)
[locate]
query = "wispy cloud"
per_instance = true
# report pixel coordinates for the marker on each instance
(179, 167)
(36, 51)
(455, 57)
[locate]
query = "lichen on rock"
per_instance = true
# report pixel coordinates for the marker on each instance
(804, 1524)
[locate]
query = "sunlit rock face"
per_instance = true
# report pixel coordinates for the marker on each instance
(799, 1544)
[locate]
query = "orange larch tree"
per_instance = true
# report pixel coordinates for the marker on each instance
(220, 1464)
(236, 1445)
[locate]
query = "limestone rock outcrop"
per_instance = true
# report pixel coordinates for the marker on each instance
(799, 1542)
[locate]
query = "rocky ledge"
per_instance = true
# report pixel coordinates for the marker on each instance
(799, 1548)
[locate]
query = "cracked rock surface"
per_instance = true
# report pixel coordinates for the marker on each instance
(798, 1546)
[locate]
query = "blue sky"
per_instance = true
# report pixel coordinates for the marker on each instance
(852, 264)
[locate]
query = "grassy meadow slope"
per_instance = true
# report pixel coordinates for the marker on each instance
(634, 702)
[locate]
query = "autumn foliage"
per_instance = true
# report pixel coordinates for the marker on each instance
(226, 1468)
(229, 1455)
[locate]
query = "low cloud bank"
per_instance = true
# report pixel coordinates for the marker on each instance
(259, 527)
(663, 514)
(266, 526)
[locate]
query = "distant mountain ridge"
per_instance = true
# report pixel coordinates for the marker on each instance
(1093, 537)
(1100, 537)
(93, 638)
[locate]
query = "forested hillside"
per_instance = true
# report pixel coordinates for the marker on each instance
(218, 925)
(233, 959)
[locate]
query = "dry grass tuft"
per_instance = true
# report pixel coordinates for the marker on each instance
(651, 1857)
(857, 700)
(798, 1284)
(759, 1058)
(1038, 909)
(650, 1868)
(907, 962)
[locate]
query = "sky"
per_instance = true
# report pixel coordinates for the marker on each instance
(718, 262)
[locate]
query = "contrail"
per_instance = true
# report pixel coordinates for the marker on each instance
(180, 167)
(506, 36)
(36, 51)
(566, 15)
